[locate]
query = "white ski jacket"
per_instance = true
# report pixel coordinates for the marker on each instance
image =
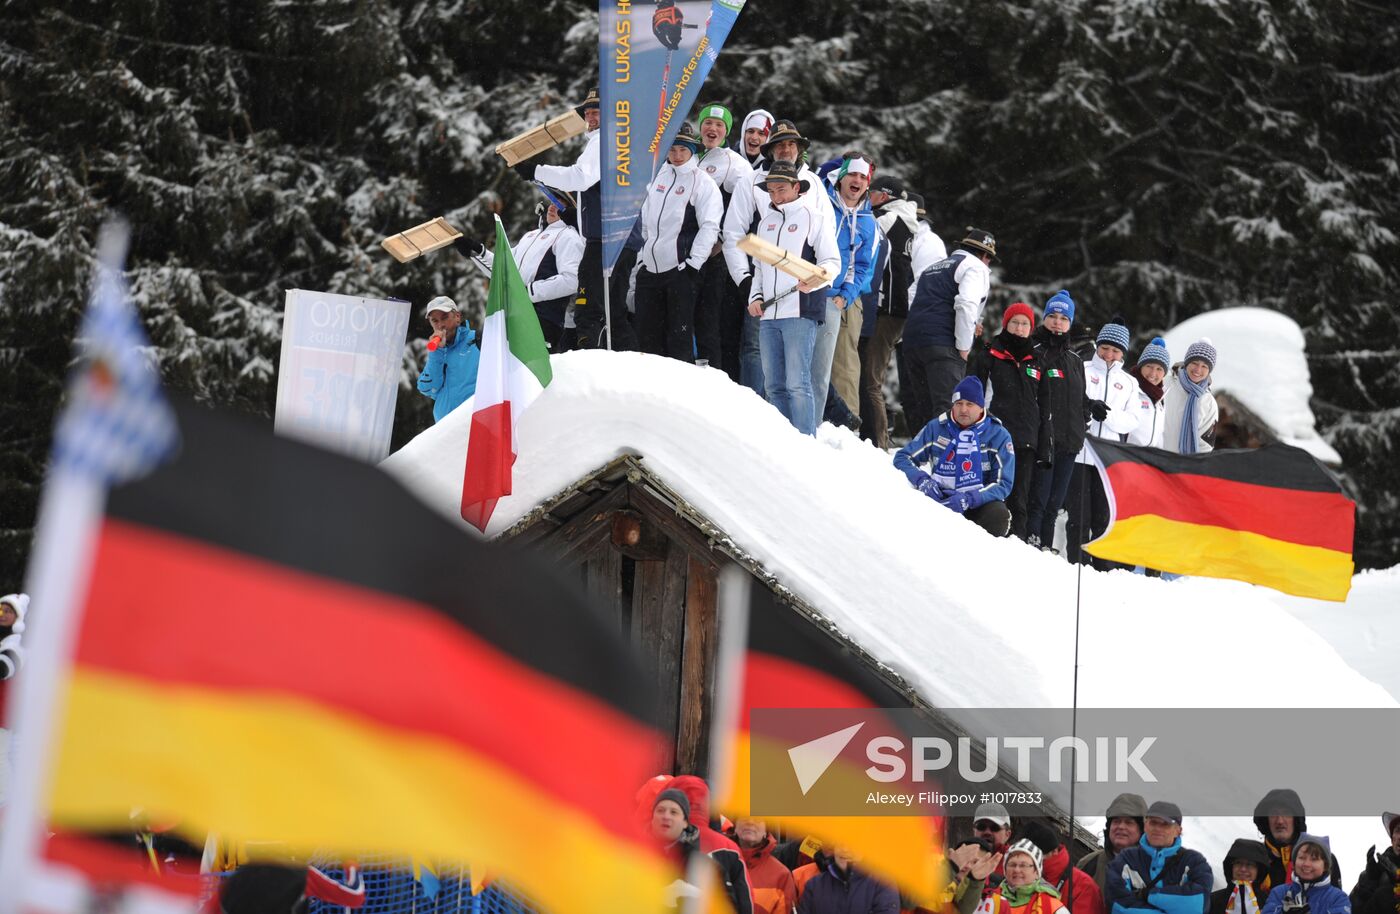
(794, 227)
(680, 218)
(1119, 391)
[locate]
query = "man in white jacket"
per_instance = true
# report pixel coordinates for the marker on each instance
(548, 257)
(1113, 406)
(785, 143)
(582, 180)
(719, 309)
(786, 312)
(680, 225)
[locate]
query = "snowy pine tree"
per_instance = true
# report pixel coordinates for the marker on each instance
(1159, 158)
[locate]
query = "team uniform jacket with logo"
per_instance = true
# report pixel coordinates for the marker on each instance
(680, 218)
(548, 259)
(794, 227)
(1119, 392)
(744, 210)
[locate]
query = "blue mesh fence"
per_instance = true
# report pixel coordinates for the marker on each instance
(391, 888)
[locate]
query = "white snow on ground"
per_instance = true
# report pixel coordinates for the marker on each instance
(971, 621)
(1365, 631)
(1262, 364)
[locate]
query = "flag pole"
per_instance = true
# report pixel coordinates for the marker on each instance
(607, 305)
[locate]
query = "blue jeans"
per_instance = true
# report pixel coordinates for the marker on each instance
(750, 358)
(787, 369)
(825, 350)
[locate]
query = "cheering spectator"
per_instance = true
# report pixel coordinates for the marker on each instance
(1123, 825)
(680, 225)
(753, 133)
(1024, 891)
(1378, 889)
(1149, 372)
(1009, 368)
(834, 359)
(449, 375)
(1280, 818)
(719, 308)
(1191, 411)
(787, 310)
(1159, 874)
(1311, 891)
(943, 313)
(548, 257)
(898, 223)
(1113, 405)
(972, 458)
(1069, 411)
(1077, 889)
(842, 888)
(1245, 866)
(772, 885)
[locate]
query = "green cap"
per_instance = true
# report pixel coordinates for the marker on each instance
(718, 112)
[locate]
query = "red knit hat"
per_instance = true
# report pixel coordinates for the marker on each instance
(1020, 308)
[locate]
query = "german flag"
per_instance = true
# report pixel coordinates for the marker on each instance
(280, 644)
(789, 664)
(1272, 516)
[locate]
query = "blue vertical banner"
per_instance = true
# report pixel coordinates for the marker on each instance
(653, 57)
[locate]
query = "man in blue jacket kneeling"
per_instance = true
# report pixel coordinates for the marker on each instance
(972, 460)
(1158, 874)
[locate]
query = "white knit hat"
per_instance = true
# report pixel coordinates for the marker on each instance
(20, 602)
(1027, 847)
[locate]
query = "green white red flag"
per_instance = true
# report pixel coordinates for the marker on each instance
(513, 371)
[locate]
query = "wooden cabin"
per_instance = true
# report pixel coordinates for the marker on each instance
(653, 560)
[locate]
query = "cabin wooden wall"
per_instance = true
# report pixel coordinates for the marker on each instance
(657, 576)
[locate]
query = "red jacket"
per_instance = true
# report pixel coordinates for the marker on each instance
(771, 883)
(1086, 897)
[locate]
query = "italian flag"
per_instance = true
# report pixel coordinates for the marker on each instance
(513, 371)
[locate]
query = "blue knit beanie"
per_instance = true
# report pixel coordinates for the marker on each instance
(1203, 350)
(970, 389)
(1114, 333)
(1156, 351)
(1060, 303)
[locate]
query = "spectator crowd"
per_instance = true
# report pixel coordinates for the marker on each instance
(1025, 867)
(997, 422)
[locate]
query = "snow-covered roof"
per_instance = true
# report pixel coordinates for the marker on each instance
(970, 621)
(1262, 364)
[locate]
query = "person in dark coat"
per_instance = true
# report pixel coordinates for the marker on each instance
(1159, 874)
(1245, 867)
(842, 888)
(1124, 821)
(1063, 377)
(1310, 891)
(1280, 819)
(1378, 889)
(1009, 368)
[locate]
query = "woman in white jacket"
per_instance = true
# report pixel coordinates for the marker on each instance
(1149, 372)
(1191, 410)
(1113, 405)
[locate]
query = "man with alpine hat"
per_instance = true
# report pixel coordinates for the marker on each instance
(680, 225)
(972, 459)
(719, 309)
(1158, 874)
(784, 309)
(943, 313)
(582, 180)
(742, 217)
